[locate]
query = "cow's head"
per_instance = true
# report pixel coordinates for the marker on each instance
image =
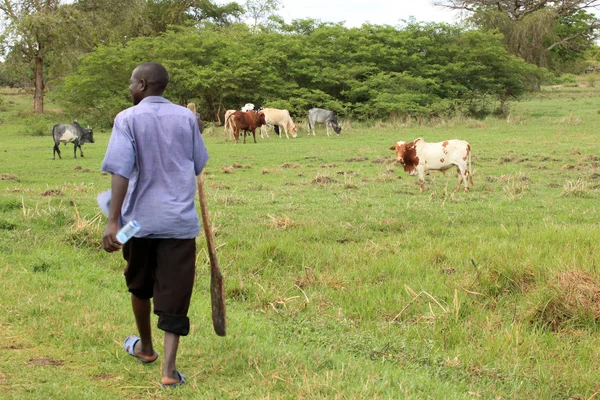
(337, 128)
(294, 130)
(260, 117)
(87, 136)
(406, 154)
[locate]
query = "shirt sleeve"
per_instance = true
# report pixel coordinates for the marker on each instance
(120, 154)
(200, 152)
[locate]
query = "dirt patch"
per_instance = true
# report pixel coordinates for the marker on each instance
(218, 186)
(45, 361)
(51, 193)
(356, 159)
(323, 180)
(382, 160)
(237, 166)
(290, 165)
(328, 166)
(103, 376)
(228, 169)
(567, 166)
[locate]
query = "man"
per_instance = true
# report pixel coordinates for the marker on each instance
(154, 155)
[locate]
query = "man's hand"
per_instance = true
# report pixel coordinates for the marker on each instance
(109, 238)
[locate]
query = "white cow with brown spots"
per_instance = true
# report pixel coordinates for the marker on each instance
(418, 156)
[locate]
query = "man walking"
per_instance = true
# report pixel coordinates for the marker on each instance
(154, 155)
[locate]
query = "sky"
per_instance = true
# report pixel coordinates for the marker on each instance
(357, 12)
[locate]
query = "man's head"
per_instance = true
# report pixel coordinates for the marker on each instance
(148, 79)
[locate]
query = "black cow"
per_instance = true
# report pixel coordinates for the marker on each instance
(71, 133)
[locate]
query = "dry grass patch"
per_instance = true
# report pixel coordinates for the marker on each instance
(228, 169)
(578, 188)
(9, 177)
(284, 222)
(322, 179)
(570, 120)
(386, 160)
(574, 298)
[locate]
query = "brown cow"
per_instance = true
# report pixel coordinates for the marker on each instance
(246, 121)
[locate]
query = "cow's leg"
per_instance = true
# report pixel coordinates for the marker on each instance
(56, 150)
(80, 151)
(461, 178)
(285, 130)
(263, 130)
(254, 135)
(236, 134)
(421, 172)
(327, 128)
(74, 150)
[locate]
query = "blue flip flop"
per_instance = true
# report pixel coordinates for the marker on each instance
(129, 345)
(174, 385)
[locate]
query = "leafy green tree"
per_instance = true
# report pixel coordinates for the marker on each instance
(543, 32)
(36, 29)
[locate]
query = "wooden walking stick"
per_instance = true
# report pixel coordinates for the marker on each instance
(217, 286)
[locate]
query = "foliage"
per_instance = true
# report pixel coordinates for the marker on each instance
(546, 33)
(369, 72)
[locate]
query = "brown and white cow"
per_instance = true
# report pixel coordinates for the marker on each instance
(418, 156)
(278, 118)
(245, 121)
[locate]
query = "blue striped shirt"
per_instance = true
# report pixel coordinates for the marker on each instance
(157, 146)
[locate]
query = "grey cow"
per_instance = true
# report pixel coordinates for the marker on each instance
(323, 116)
(71, 133)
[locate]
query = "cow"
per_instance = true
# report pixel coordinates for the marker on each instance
(251, 107)
(228, 126)
(70, 133)
(324, 117)
(278, 118)
(192, 108)
(418, 156)
(246, 121)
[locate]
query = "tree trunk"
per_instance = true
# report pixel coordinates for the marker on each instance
(38, 97)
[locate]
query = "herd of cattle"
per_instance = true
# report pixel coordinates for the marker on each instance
(250, 117)
(417, 157)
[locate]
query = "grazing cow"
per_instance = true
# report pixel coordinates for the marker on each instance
(246, 121)
(192, 108)
(419, 156)
(324, 117)
(251, 107)
(71, 133)
(278, 118)
(228, 126)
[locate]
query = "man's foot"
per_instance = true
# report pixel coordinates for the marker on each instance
(129, 347)
(168, 382)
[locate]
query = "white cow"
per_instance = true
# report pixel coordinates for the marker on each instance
(419, 156)
(278, 118)
(228, 126)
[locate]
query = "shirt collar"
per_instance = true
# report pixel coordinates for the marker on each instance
(154, 99)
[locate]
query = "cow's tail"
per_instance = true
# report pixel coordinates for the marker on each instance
(470, 166)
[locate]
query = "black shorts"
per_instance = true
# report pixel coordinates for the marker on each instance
(163, 269)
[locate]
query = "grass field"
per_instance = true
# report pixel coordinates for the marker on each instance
(342, 280)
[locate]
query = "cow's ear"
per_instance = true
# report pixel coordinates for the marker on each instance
(393, 148)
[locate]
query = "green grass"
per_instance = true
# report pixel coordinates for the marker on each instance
(342, 280)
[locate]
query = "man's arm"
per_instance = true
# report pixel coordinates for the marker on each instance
(119, 186)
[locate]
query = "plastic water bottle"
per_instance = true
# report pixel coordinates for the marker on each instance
(127, 232)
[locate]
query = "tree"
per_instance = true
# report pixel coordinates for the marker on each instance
(259, 10)
(542, 32)
(35, 29)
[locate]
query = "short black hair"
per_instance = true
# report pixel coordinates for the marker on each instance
(154, 74)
